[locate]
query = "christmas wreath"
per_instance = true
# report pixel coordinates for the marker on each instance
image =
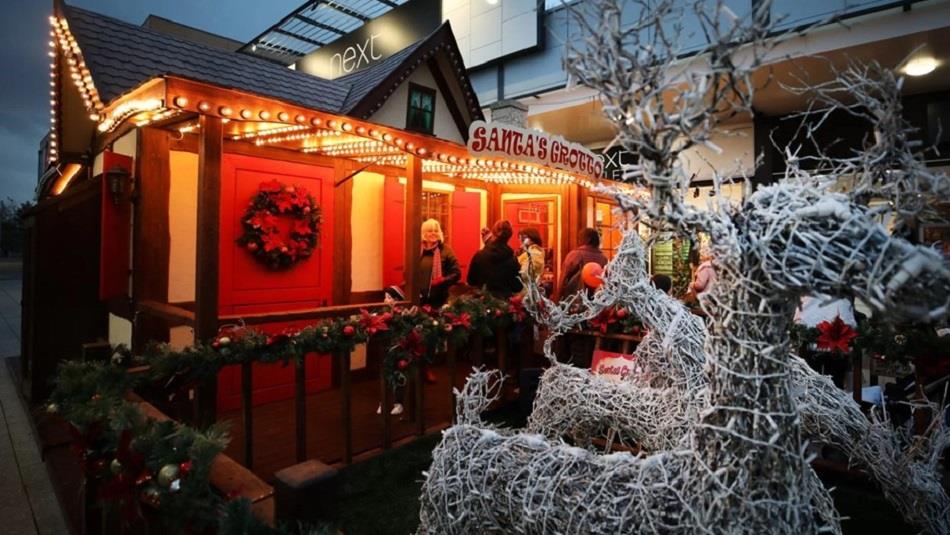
(264, 236)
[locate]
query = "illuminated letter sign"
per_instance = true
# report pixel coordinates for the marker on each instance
(499, 139)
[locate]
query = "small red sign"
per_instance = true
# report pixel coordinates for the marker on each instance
(616, 366)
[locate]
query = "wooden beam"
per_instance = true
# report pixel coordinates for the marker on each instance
(210, 152)
(343, 234)
(152, 234)
(210, 149)
(413, 216)
(151, 243)
(305, 314)
(172, 315)
(494, 203)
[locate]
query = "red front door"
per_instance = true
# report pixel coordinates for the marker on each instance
(247, 286)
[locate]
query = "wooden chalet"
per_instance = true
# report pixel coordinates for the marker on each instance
(157, 144)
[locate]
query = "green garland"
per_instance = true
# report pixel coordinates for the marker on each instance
(135, 459)
(616, 320)
(900, 343)
(884, 341)
(130, 458)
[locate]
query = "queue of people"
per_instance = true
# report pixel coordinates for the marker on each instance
(498, 270)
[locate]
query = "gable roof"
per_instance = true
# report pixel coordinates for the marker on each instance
(371, 87)
(123, 56)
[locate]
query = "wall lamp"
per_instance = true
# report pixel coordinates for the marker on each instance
(118, 177)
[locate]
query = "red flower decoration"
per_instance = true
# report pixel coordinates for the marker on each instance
(268, 240)
(372, 323)
(835, 336)
(284, 203)
(516, 308)
(463, 320)
(302, 227)
(413, 343)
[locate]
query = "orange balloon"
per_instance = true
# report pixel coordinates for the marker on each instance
(591, 274)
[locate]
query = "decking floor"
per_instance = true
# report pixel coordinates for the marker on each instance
(274, 425)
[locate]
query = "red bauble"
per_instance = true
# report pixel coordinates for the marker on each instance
(349, 330)
(621, 313)
(402, 364)
(252, 246)
(184, 468)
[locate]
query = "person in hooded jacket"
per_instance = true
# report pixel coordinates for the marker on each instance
(495, 267)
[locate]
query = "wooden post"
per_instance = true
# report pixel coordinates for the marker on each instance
(450, 357)
(385, 402)
(501, 347)
(210, 152)
(857, 375)
(342, 234)
(247, 409)
(494, 203)
(300, 407)
(151, 242)
(420, 401)
(478, 350)
(413, 215)
(347, 417)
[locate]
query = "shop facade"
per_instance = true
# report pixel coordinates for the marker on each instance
(155, 162)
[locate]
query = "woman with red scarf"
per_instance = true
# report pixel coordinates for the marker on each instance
(438, 267)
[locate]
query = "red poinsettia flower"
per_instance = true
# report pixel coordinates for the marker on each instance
(284, 202)
(300, 198)
(835, 336)
(302, 227)
(371, 322)
(258, 219)
(272, 242)
(463, 320)
(516, 308)
(271, 187)
(413, 344)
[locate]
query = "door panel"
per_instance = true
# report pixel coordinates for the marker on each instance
(116, 221)
(464, 237)
(247, 285)
(394, 237)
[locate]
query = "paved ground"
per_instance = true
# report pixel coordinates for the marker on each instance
(28, 504)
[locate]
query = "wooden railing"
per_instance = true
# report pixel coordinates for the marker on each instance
(227, 477)
(175, 315)
(342, 364)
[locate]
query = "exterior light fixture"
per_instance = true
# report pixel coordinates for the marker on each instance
(920, 66)
(117, 177)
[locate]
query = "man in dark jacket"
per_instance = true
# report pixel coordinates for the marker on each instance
(588, 250)
(495, 267)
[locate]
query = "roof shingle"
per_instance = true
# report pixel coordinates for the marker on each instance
(122, 56)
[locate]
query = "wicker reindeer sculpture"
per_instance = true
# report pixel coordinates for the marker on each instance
(737, 463)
